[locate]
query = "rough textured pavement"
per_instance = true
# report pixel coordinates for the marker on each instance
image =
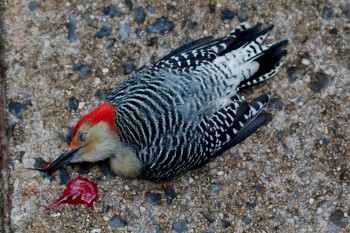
(63, 57)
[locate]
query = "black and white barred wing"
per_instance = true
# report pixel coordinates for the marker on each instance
(215, 134)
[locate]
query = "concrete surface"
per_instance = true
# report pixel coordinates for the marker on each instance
(290, 176)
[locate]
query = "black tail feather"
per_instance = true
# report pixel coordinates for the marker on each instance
(269, 62)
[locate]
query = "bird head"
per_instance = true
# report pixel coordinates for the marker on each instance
(94, 138)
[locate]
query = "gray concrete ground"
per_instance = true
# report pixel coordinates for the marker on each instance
(62, 57)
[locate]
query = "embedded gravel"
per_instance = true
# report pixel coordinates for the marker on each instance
(62, 57)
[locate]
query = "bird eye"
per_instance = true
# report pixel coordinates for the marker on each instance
(83, 136)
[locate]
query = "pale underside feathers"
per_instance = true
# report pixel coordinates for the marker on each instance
(180, 112)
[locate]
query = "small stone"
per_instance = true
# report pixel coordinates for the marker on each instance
(151, 10)
(161, 26)
(215, 188)
(180, 226)
(124, 31)
(305, 62)
(72, 104)
(10, 129)
(104, 31)
(242, 174)
(69, 135)
(276, 104)
(21, 154)
(55, 214)
(102, 94)
(96, 230)
(185, 41)
(206, 215)
(311, 201)
(286, 149)
(347, 10)
(90, 20)
(220, 173)
(333, 31)
(46, 43)
(279, 135)
(129, 67)
(170, 194)
(105, 70)
(72, 35)
(139, 14)
(293, 74)
(33, 6)
(27, 96)
(153, 198)
(259, 188)
(337, 221)
(22, 63)
(105, 218)
(129, 4)
(64, 176)
(170, 7)
(117, 222)
(17, 109)
(112, 11)
(319, 82)
(210, 230)
(81, 105)
(327, 13)
(280, 218)
(294, 127)
(212, 8)
(242, 15)
(97, 81)
(336, 149)
(80, 8)
(152, 41)
(138, 32)
(155, 229)
(319, 210)
(250, 206)
(105, 210)
(193, 26)
(225, 223)
(82, 70)
(110, 43)
(227, 14)
(164, 45)
(247, 220)
(126, 187)
(325, 142)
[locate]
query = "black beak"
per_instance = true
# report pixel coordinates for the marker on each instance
(62, 160)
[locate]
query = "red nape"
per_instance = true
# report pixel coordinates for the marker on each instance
(78, 191)
(105, 112)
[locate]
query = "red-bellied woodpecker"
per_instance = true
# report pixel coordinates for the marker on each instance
(182, 111)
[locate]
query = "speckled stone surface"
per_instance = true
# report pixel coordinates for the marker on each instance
(292, 175)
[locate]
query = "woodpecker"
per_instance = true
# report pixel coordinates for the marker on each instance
(182, 111)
